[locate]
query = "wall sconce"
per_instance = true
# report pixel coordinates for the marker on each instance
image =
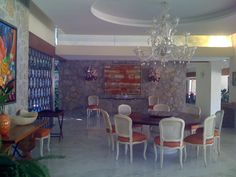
(91, 74)
(154, 75)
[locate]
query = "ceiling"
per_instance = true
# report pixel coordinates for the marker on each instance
(131, 17)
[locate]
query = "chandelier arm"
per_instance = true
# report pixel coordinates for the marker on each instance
(163, 47)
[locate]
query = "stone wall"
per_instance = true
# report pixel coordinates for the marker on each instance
(16, 13)
(75, 89)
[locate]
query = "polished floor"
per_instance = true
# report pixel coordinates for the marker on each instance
(87, 155)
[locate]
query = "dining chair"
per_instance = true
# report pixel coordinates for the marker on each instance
(152, 100)
(124, 109)
(93, 105)
(161, 107)
(110, 129)
(217, 132)
(204, 139)
(41, 135)
(171, 137)
(193, 110)
(125, 135)
(218, 126)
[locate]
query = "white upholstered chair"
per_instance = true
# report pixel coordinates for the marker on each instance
(204, 139)
(124, 109)
(110, 129)
(171, 137)
(93, 105)
(161, 107)
(125, 135)
(218, 126)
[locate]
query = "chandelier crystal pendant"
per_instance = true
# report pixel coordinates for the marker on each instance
(161, 40)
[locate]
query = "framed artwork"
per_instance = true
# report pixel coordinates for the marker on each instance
(122, 79)
(8, 50)
(234, 78)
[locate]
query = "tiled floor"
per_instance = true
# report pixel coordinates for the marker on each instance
(87, 155)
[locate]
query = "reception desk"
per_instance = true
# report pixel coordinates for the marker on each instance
(111, 103)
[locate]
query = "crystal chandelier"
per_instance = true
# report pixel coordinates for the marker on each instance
(161, 40)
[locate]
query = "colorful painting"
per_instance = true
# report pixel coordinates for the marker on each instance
(8, 43)
(122, 79)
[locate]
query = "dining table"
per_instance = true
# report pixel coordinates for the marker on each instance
(154, 117)
(20, 138)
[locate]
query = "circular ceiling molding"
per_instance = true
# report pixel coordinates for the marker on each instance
(140, 13)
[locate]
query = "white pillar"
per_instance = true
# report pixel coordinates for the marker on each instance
(232, 68)
(208, 86)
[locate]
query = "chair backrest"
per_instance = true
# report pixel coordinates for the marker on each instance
(161, 107)
(124, 109)
(93, 100)
(152, 100)
(209, 127)
(219, 120)
(172, 130)
(107, 121)
(192, 109)
(123, 126)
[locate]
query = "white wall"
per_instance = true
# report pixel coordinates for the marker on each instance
(232, 68)
(224, 82)
(40, 25)
(203, 87)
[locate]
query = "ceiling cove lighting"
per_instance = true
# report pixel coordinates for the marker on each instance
(161, 41)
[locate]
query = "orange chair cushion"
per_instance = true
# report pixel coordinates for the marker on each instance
(136, 137)
(197, 139)
(93, 107)
(111, 131)
(200, 131)
(157, 141)
(42, 132)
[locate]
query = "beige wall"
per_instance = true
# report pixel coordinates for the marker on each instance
(40, 25)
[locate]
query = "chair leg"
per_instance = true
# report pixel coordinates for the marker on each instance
(109, 139)
(131, 152)
(117, 150)
(49, 139)
(88, 113)
(144, 150)
(155, 151)
(181, 157)
(205, 160)
(161, 156)
(98, 113)
(185, 153)
(126, 149)
(41, 147)
(88, 116)
(197, 151)
(218, 145)
(112, 142)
